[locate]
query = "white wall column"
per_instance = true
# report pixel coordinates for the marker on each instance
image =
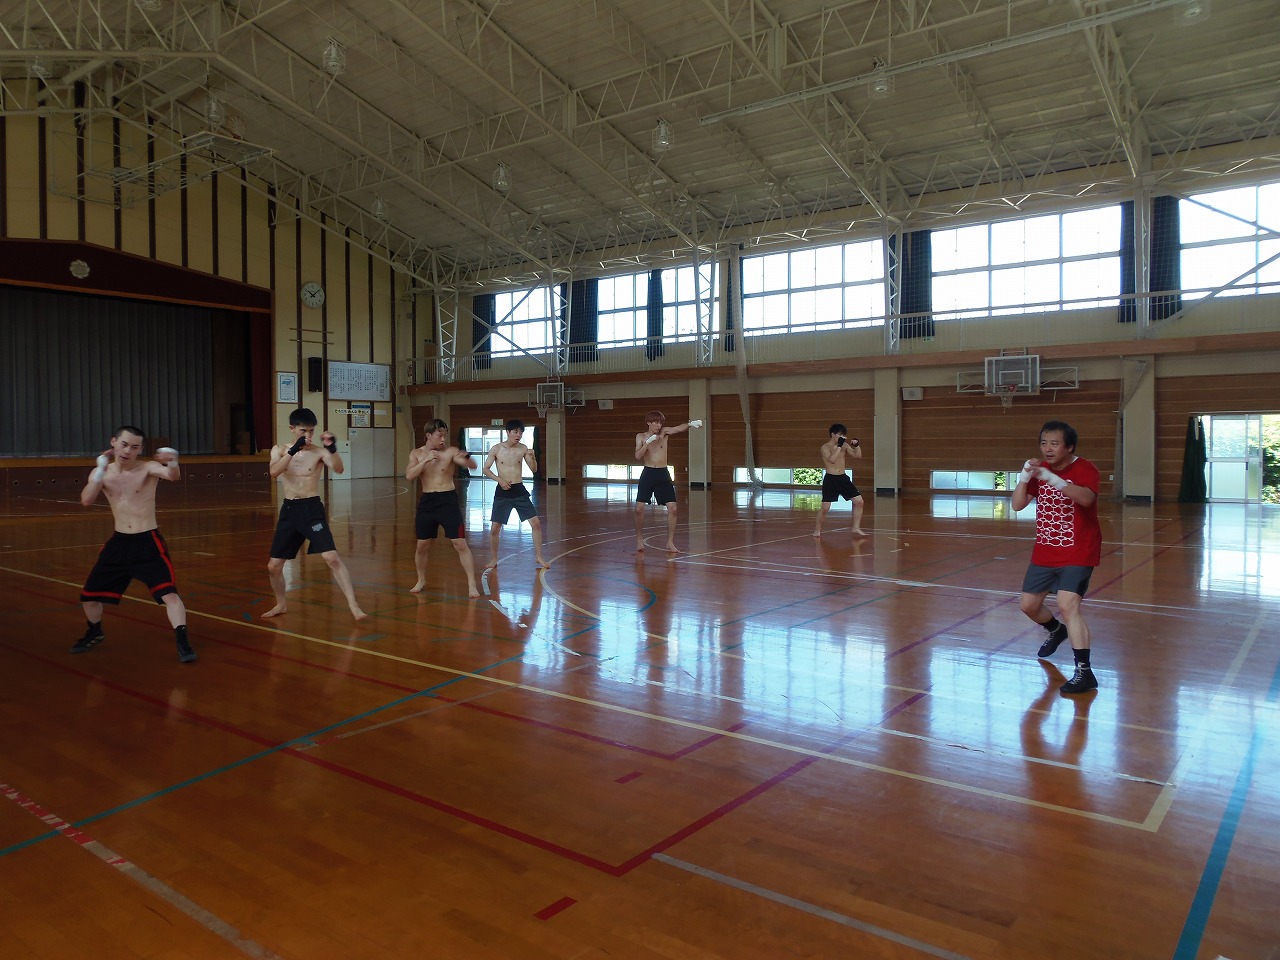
(888, 432)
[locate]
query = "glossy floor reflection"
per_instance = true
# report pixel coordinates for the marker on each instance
(769, 745)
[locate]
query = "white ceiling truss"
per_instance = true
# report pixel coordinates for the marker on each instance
(792, 121)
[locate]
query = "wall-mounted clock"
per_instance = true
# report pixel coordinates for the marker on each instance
(312, 294)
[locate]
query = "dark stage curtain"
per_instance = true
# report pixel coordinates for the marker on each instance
(584, 320)
(1165, 256)
(1193, 488)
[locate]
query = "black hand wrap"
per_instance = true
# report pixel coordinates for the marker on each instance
(857, 443)
(297, 445)
(332, 446)
(839, 441)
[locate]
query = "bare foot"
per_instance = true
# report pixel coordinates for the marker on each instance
(639, 546)
(275, 611)
(817, 533)
(359, 614)
(474, 592)
(859, 532)
(417, 587)
(492, 566)
(672, 548)
(543, 564)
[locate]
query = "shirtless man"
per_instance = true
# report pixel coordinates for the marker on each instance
(136, 550)
(835, 482)
(509, 456)
(655, 479)
(438, 506)
(299, 468)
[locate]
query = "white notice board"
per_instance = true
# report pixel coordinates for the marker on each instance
(359, 381)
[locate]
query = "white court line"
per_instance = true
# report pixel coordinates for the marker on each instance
(806, 907)
(660, 719)
(135, 873)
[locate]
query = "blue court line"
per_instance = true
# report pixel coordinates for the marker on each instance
(301, 740)
(1202, 903)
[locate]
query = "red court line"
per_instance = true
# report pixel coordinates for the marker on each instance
(546, 913)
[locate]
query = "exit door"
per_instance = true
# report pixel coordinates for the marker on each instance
(1234, 448)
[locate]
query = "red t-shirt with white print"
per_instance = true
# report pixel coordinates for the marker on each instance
(1067, 534)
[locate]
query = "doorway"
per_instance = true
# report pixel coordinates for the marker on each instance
(1242, 457)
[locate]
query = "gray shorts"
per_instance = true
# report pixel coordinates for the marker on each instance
(1054, 579)
(517, 499)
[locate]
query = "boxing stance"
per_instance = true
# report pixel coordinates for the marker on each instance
(136, 551)
(433, 465)
(511, 494)
(835, 482)
(1067, 548)
(299, 467)
(655, 478)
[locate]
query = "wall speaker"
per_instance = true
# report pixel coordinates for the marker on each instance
(605, 404)
(315, 375)
(913, 393)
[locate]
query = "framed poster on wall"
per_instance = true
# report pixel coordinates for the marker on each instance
(286, 388)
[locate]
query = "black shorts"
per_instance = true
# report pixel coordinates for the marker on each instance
(517, 499)
(126, 557)
(1052, 579)
(300, 521)
(837, 485)
(439, 511)
(655, 483)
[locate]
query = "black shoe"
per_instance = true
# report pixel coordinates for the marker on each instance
(185, 653)
(90, 640)
(1082, 682)
(1056, 636)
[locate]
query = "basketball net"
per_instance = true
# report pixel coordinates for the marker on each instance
(1006, 397)
(542, 410)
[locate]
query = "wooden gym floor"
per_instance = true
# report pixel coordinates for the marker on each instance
(767, 747)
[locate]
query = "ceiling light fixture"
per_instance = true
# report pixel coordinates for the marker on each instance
(334, 59)
(379, 209)
(1193, 12)
(39, 68)
(149, 6)
(880, 86)
(663, 138)
(502, 178)
(214, 112)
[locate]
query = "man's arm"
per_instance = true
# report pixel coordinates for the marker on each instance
(165, 465)
(489, 461)
(1022, 493)
(463, 458)
(531, 459)
(281, 455)
(417, 462)
(642, 443)
(331, 457)
(93, 486)
(1072, 491)
(830, 458)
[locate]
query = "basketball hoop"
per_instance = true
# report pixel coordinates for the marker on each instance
(542, 410)
(1006, 394)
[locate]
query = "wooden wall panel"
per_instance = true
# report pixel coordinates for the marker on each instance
(788, 429)
(970, 431)
(21, 180)
(1178, 398)
(593, 435)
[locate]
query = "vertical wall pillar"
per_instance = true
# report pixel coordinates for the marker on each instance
(700, 440)
(887, 448)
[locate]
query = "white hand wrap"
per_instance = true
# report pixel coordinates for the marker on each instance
(652, 437)
(100, 470)
(1045, 475)
(696, 424)
(1028, 471)
(169, 450)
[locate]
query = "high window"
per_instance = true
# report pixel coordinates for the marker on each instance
(1225, 235)
(1042, 264)
(526, 320)
(816, 288)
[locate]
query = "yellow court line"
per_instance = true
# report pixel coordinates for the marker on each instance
(669, 721)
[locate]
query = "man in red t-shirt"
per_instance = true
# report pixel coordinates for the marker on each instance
(1068, 544)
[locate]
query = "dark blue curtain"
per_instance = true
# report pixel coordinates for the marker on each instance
(731, 312)
(1193, 487)
(915, 280)
(483, 320)
(584, 319)
(653, 345)
(1166, 260)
